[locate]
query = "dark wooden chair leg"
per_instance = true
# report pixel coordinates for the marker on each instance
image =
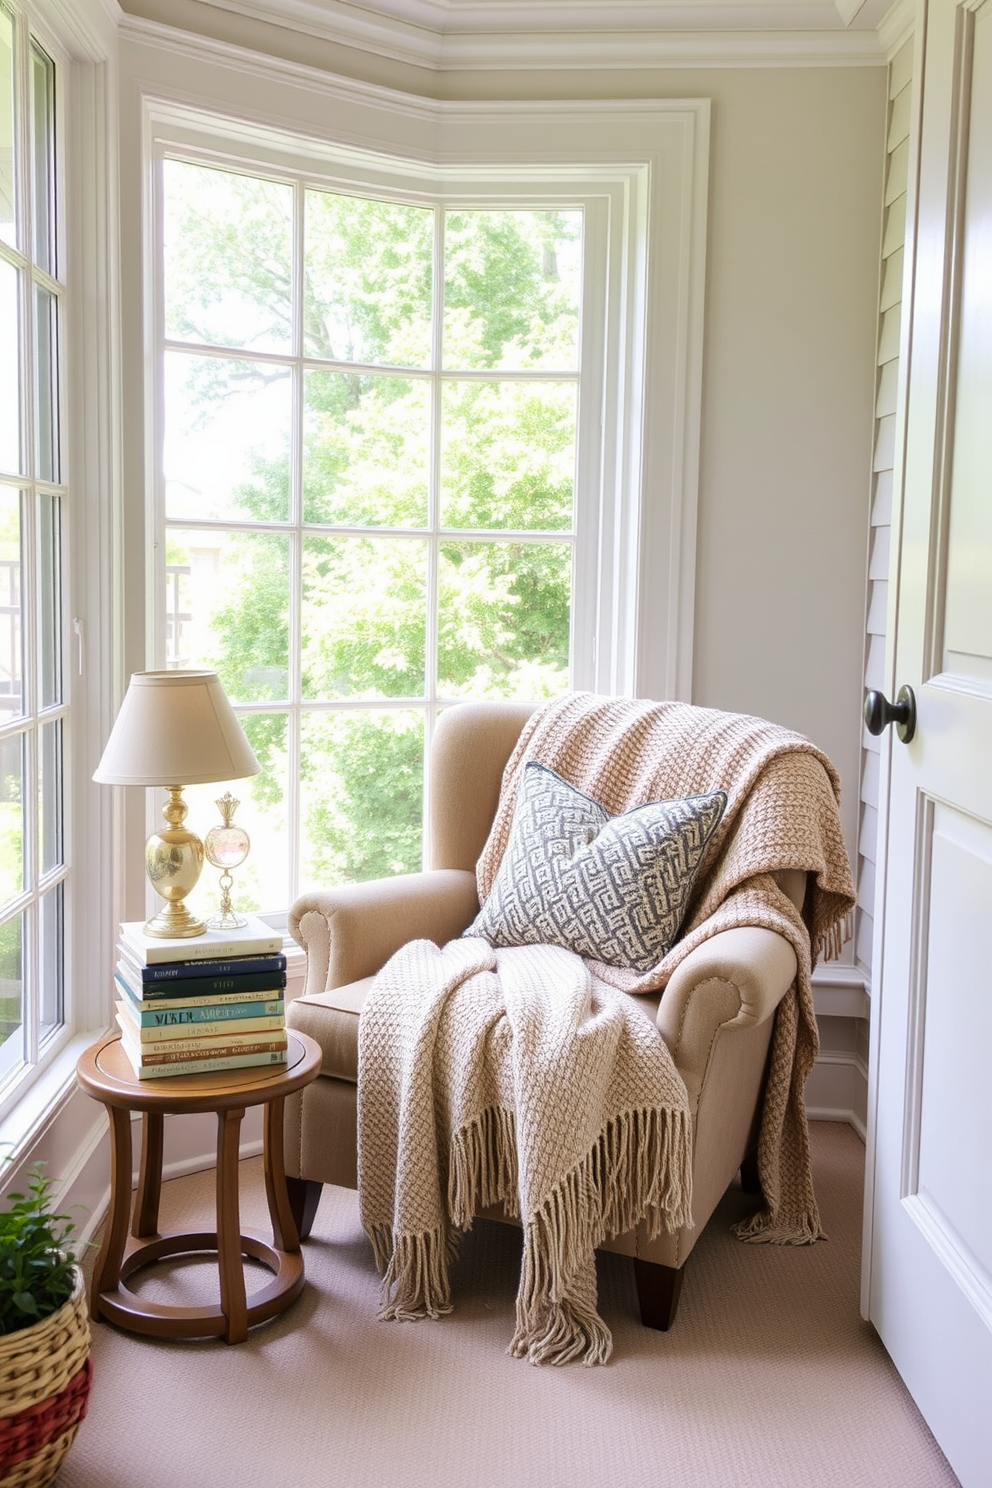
(750, 1181)
(658, 1291)
(304, 1196)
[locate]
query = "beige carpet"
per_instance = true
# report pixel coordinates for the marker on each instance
(769, 1378)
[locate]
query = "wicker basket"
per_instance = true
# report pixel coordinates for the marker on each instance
(44, 1386)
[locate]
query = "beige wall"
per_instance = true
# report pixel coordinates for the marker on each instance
(796, 173)
(788, 383)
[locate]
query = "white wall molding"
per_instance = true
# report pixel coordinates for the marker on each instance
(837, 1090)
(840, 991)
(585, 36)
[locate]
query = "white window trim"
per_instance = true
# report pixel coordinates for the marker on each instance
(82, 38)
(655, 152)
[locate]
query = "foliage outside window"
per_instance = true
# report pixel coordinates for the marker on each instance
(369, 460)
(33, 501)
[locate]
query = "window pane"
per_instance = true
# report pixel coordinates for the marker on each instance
(43, 157)
(261, 883)
(364, 619)
(11, 619)
(230, 593)
(512, 289)
(508, 455)
(228, 258)
(10, 375)
(50, 774)
(361, 796)
(8, 192)
(503, 619)
(367, 281)
(11, 818)
(366, 449)
(227, 438)
(50, 598)
(52, 969)
(11, 990)
(46, 383)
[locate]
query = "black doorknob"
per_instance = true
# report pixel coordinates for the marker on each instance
(879, 713)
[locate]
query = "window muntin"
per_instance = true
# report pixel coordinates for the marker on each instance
(33, 704)
(370, 487)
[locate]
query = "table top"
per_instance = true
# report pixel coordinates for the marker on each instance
(104, 1071)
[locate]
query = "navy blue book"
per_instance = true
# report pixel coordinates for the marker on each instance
(175, 971)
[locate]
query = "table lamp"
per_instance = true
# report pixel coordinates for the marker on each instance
(175, 726)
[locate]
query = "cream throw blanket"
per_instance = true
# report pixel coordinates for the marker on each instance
(527, 1077)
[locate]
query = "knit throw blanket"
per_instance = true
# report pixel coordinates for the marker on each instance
(782, 813)
(528, 1077)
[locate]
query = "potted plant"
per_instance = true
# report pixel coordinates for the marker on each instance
(45, 1364)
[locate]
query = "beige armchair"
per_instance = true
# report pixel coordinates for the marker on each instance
(715, 1014)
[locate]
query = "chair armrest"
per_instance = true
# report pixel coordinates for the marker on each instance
(351, 931)
(737, 978)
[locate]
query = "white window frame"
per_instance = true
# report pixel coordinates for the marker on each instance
(81, 38)
(648, 162)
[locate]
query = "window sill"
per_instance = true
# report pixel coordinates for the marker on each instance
(34, 1107)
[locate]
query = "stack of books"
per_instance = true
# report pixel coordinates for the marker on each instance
(188, 1007)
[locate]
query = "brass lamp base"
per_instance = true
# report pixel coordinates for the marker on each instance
(174, 923)
(173, 860)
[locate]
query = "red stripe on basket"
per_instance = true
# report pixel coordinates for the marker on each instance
(27, 1433)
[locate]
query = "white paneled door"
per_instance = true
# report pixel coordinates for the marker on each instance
(928, 1275)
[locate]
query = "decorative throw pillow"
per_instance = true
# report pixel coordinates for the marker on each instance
(613, 889)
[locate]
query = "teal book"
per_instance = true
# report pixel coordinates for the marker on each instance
(155, 1015)
(232, 1017)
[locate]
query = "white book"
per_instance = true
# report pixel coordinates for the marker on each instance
(255, 939)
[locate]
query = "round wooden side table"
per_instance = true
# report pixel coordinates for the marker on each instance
(105, 1073)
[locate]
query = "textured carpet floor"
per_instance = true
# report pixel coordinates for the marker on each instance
(769, 1378)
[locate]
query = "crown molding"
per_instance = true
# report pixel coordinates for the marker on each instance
(89, 27)
(560, 35)
(897, 26)
(419, 111)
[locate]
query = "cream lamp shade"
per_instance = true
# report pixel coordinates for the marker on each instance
(175, 728)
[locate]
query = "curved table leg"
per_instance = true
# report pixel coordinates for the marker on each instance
(107, 1270)
(285, 1235)
(233, 1300)
(145, 1219)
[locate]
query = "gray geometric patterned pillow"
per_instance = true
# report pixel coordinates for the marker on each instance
(614, 888)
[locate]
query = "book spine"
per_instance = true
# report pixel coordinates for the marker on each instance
(166, 952)
(260, 1030)
(269, 1000)
(154, 1015)
(207, 1066)
(184, 1053)
(173, 971)
(164, 1033)
(207, 987)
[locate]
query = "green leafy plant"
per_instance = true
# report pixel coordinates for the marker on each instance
(36, 1264)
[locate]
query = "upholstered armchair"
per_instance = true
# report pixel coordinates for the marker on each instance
(716, 1013)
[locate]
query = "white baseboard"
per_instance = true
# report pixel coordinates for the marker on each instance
(837, 1090)
(190, 1147)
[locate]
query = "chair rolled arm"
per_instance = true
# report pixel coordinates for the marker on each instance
(351, 931)
(737, 978)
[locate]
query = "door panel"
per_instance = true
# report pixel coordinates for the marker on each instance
(968, 613)
(956, 1037)
(929, 1240)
